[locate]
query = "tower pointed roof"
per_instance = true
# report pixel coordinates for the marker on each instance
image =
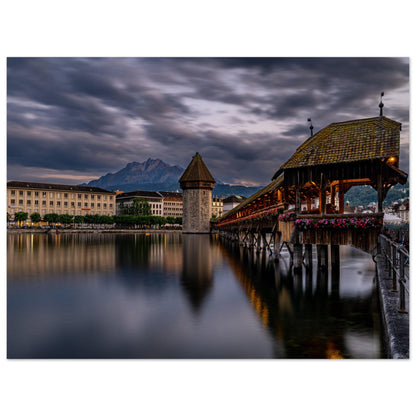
(196, 171)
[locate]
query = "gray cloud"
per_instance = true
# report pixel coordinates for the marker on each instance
(245, 116)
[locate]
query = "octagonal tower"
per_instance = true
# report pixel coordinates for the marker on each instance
(197, 184)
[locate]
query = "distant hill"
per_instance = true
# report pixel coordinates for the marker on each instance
(363, 195)
(156, 175)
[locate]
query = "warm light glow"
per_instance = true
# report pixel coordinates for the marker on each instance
(391, 159)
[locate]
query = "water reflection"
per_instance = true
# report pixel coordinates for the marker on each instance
(173, 296)
(42, 256)
(197, 276)
(309, 317)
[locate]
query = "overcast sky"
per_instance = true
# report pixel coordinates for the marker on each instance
(73, 120)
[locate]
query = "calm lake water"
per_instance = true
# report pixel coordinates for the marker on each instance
(174, 296)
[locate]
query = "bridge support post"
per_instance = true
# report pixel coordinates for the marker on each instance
(334, 256)
(276, 248)
(308, 256)
(297, 256)
(264, 241)
(322, 250)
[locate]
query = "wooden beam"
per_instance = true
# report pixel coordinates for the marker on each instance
(322, 196)
(380, 197)
(341, 197)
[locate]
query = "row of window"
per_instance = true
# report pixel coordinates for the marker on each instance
(58, 203)
(59, 195)
(71, 212)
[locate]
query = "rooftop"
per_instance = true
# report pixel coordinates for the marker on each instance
(272, 186)
(234, 198)
(348, 141)
(196, 171)
(138, 194)
(38, 185)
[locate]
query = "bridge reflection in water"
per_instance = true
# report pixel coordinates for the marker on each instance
(174, 296)
(305, 312)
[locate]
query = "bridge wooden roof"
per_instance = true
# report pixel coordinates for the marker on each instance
(272, 186)
(348, 141)
(196, 171)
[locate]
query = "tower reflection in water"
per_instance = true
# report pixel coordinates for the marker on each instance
(197, 274)
(304, 312)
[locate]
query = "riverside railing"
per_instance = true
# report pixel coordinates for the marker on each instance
(397, 266)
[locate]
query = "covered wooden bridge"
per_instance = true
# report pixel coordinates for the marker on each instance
(304, 203)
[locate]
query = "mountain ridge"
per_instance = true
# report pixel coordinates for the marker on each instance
(156, 175)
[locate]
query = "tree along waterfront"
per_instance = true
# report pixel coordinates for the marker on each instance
(69, 221)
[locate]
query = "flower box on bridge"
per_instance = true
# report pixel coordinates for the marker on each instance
(359, 230)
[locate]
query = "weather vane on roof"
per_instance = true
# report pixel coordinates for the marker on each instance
(311, 127)
(381, 105)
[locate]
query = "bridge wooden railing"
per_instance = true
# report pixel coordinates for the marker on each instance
(397, 262)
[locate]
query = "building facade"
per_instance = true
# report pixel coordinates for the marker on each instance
(231, 201)
(46, 198)
(217, 207)
(125, 201)
(197, 184)
(172, 204)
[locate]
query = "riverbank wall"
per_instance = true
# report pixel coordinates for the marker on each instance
(395, 323)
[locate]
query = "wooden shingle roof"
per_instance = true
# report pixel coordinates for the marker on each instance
(348, 141)
(196, 171)
(272, 186)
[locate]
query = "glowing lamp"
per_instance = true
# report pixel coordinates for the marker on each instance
(391, 160)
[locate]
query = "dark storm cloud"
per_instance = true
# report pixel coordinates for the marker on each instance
(245, 116)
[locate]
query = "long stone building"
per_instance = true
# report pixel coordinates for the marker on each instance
(45, 198)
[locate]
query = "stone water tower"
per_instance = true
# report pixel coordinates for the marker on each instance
(197, 184)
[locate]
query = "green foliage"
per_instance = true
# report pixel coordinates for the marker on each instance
(8, 217)
(139, 220)
(51, 218)
(396, 193)
(98, 219)
(363, 195)
(170, 220)
(35, 217)
(126, 220)
(140, 207)
(360, 195)
(178, 220)
(20, 216)
(65, 219)
(78, 219)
